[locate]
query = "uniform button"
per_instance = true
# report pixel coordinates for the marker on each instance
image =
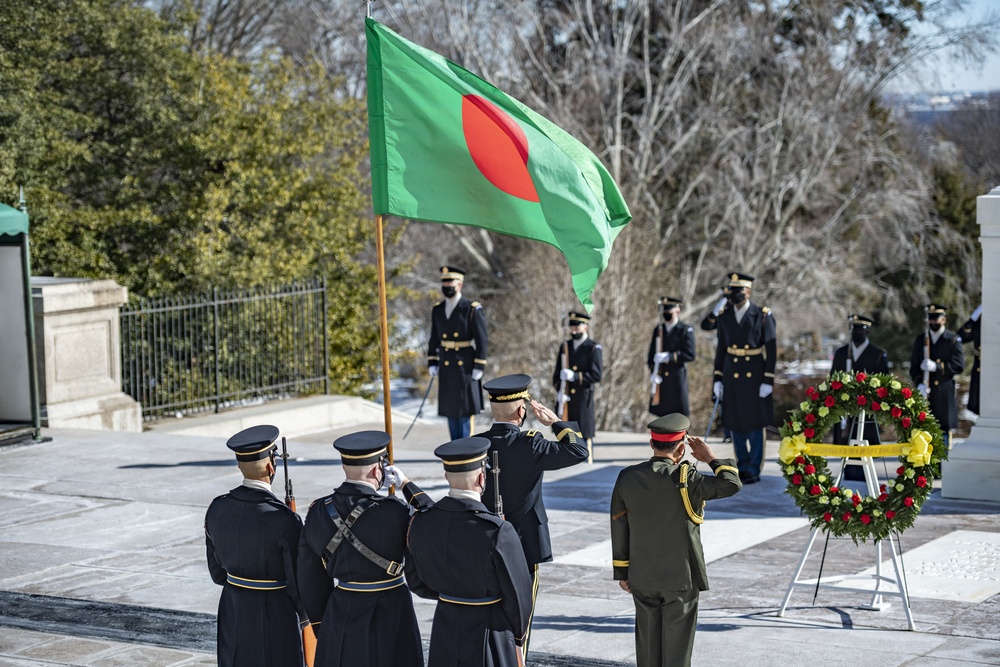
(460, 362)
(446, 363)
(666, 373)
(574, 368)
(735, 375)
(749, 374)
(746, 347)
(935, 383)
(572, 391)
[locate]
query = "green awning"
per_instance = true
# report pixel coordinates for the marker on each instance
(12, 221)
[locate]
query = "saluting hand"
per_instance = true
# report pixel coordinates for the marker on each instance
(543, 414)
(700, 449)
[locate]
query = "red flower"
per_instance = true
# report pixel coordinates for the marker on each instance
(808, 432)
(921, 481)
(812, 393)
(836, 385)
(876, 406)
(889, 514)
(829, 401)
(907, 392)
(810, 418)
(899, 470)
(834, 489)
(796, 480)
(922, 416)
(846, 516)
(908, 502)
(827, 517)
(906, 422)
(865, 519)
(862, 400)
(799, 460)
(856, 499)
(896, 411)
(815, 490)
(860, 377)
(883, 497)
(810, 469)
(881, 487)
(882, 392)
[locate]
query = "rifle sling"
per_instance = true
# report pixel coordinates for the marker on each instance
(344, 532)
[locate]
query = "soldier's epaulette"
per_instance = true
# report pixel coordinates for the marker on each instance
(438, 304)
(476, 304)
(765, 310)
(531, 433)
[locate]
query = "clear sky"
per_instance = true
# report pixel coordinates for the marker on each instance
(954, 76)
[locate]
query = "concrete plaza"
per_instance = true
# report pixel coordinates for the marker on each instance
(103, 554)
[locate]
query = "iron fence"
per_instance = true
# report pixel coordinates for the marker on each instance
(185, 355)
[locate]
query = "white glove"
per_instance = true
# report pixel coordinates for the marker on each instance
(477, 374)
(394, 476)
(922, 388)
(567, 374)
(928, 365)
(976, 313)
(717, 388)
(718, 309)
(654, 380)
(660, 357)
(433, 370)
(562, 399)
(765, 390)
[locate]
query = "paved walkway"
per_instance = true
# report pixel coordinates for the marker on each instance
(102, 560)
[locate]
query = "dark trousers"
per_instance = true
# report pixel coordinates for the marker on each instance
(749, 451)
(458, 427)
(665, 622)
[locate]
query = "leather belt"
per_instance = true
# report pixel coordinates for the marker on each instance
(469, 601)
(371, 586)
(744, 351)
(255, 584)
(455, 344)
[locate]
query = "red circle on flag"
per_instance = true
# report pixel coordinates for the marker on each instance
(498, 146)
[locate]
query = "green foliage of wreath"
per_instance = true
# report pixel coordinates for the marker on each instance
(843, 511)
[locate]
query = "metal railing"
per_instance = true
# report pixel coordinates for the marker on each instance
(185, 355)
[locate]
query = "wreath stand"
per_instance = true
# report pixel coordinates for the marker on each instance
(877, 602)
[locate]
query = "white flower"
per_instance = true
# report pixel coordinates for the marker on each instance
(823, 387)
(900, 487)
(802, 490)
(875, 382)
(823, 411)
(835, 501)
(797, 427)
(885, 407)
(909, 473)
(823, 500)
(909, 402)
(848, 493)
(821, 478)
(790, 470)
(876, 512)
(804, 406)
(845, 396)
(895, 384)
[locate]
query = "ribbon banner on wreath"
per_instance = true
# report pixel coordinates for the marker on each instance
(802, 455)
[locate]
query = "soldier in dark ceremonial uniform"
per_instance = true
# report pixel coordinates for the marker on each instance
(670, 349)
(456, 353)
(471, 561)
(744, 374)
(858, 356)
(523, 457)
(943, 360)
(657, 508)
(971, 333)
(252, 540)
(350, 570)
(586, 365)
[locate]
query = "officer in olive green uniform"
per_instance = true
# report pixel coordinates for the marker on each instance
(657, 508)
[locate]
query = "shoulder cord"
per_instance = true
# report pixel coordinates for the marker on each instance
(695, 518)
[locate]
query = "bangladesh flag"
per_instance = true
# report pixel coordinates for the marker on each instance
(447, 146)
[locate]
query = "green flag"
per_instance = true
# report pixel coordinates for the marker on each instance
(448, 147)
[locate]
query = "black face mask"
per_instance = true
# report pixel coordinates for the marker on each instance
(668, 315)
(576, 335)
(859, 336)
(448, 291)
(736, 298)
(935, 326)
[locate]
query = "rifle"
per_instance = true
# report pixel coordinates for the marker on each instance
(498, 505)
(659, 348)
(562, 383)
(927, 356)
(308, 636)
(420, 410)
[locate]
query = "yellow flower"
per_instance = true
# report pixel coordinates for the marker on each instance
(824, 411)
(845, 396)
(791, 447)
(895, 384)
(875, 382)
(804, 406)
(918, 450)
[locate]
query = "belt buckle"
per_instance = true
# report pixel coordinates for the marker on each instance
(394, 569)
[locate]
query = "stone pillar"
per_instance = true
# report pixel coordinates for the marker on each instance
(77, 330)
(972, 470)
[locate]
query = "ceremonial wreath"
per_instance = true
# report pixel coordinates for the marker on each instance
(802, 455)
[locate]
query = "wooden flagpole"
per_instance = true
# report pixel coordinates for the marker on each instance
(383, 330)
